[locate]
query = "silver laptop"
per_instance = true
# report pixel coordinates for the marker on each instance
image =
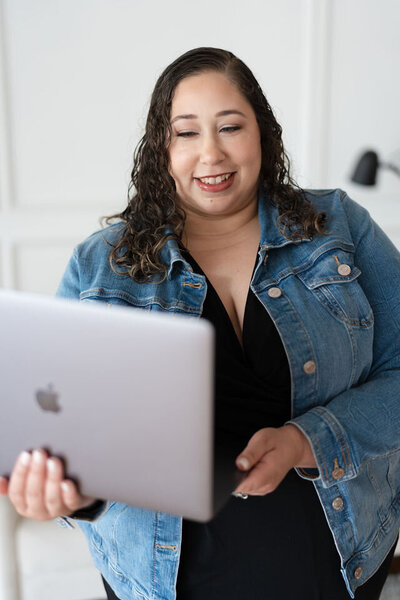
(124, 396)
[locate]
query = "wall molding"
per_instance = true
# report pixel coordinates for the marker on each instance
(315, 92)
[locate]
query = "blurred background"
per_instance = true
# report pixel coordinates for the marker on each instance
(75, 82)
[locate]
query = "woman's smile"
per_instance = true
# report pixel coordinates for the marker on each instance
(217, 183)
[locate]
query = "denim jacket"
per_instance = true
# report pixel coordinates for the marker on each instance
(335, 301)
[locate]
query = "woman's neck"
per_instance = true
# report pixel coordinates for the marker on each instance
(213, 233)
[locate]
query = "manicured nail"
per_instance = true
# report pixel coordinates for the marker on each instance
(25, 458)
(38, 457)
(243, 462)
(51, 465)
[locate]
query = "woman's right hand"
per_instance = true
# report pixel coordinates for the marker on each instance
(38, 490)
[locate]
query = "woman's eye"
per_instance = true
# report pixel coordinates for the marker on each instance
(186, 134)
(231, 128)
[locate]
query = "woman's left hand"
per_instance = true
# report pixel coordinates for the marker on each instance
(269, 455)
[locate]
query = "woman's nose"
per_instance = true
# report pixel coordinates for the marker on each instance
(211, 152)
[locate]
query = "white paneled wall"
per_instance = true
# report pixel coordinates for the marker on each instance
(76, 79)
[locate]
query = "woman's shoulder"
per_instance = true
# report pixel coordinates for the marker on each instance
(335, 202)
(342, 212)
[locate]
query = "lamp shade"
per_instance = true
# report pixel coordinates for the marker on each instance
(366, 169)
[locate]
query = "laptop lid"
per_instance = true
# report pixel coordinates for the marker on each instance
(114, 391)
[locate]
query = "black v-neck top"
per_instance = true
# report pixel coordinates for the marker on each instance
(252, 386)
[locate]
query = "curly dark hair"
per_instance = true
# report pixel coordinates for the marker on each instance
(151, 196)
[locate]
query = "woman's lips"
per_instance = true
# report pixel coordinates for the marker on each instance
(215, 187)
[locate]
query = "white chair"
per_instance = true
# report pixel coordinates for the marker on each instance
(42, 561)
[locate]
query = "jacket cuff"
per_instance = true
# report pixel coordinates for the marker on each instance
(330, 446)
(90, 513)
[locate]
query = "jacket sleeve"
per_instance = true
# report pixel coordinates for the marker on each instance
(363, 422)
(70, 283)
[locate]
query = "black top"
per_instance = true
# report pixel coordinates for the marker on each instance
(253, 382)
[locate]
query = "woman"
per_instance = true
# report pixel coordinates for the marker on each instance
(292, 281)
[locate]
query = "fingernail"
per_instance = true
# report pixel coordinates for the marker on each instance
(25, 458)
(51, 465)
(243, 462)
(240, 495)
(38, 457)
(65, 486)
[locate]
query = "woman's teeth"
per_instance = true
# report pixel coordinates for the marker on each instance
(214, 180)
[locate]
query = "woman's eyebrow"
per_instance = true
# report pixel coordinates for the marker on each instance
(222, 113)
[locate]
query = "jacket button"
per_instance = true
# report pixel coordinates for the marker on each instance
(338, 503)
(344, 270)
(358, 572)
(309, 367)
(338, 473)
(274, 292)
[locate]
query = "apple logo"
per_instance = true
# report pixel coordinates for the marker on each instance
(48, 399)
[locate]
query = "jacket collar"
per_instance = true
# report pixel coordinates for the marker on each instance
(270, 234)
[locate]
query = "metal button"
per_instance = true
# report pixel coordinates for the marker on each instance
(309, 367)
(358, 573)
(338, 473)
(274, 292)
(338, 503)
(344, 270)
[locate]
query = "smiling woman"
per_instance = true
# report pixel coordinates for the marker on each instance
(303, 290)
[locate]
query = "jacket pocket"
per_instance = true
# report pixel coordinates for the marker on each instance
(333, 280)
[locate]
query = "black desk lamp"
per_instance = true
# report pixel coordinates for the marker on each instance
(367, 167)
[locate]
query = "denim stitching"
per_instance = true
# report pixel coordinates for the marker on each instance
(339, 434)
(147, 302)
(120, 575)
(155, 554)
(353, 345)
(314, 257)
(318, 449)
(314, 358)
(322, 296)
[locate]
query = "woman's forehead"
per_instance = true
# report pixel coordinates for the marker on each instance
(204, 92)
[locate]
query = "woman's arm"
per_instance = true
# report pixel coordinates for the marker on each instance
(363, 422)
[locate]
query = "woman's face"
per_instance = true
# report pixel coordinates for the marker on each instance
(215, 149)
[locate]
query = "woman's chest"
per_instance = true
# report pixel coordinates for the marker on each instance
(230, 274)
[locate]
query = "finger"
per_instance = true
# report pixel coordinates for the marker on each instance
(264, 478)
(260, 443)
(35, 484)
(3, 485)
(72, 498)
(17, 483)
(53, 498)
